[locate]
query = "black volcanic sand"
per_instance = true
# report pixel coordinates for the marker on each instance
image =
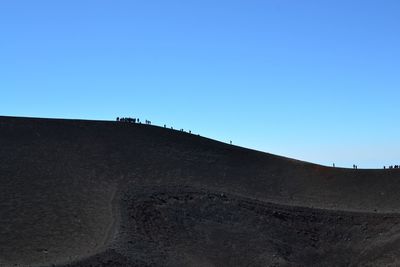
(93, 193)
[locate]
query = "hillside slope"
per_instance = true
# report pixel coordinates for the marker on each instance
(100, 193)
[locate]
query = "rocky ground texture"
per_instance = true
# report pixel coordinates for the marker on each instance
(98, 193)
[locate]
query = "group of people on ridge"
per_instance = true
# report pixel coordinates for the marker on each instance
(392, 167)
(132, 120)
(136, 120)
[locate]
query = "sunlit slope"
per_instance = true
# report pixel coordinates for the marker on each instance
(112, 151)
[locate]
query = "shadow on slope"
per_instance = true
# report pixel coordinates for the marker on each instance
(175, 226)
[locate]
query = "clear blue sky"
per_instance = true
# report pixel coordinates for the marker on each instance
(314, 80)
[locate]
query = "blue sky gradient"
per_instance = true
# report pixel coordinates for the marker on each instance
(313, 80)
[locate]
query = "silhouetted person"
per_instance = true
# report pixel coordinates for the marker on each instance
(117, 118)
(333, 165)
(230, 142)
(384, 167)
(165, 126)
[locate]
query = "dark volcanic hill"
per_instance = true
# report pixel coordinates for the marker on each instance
(100, 193)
